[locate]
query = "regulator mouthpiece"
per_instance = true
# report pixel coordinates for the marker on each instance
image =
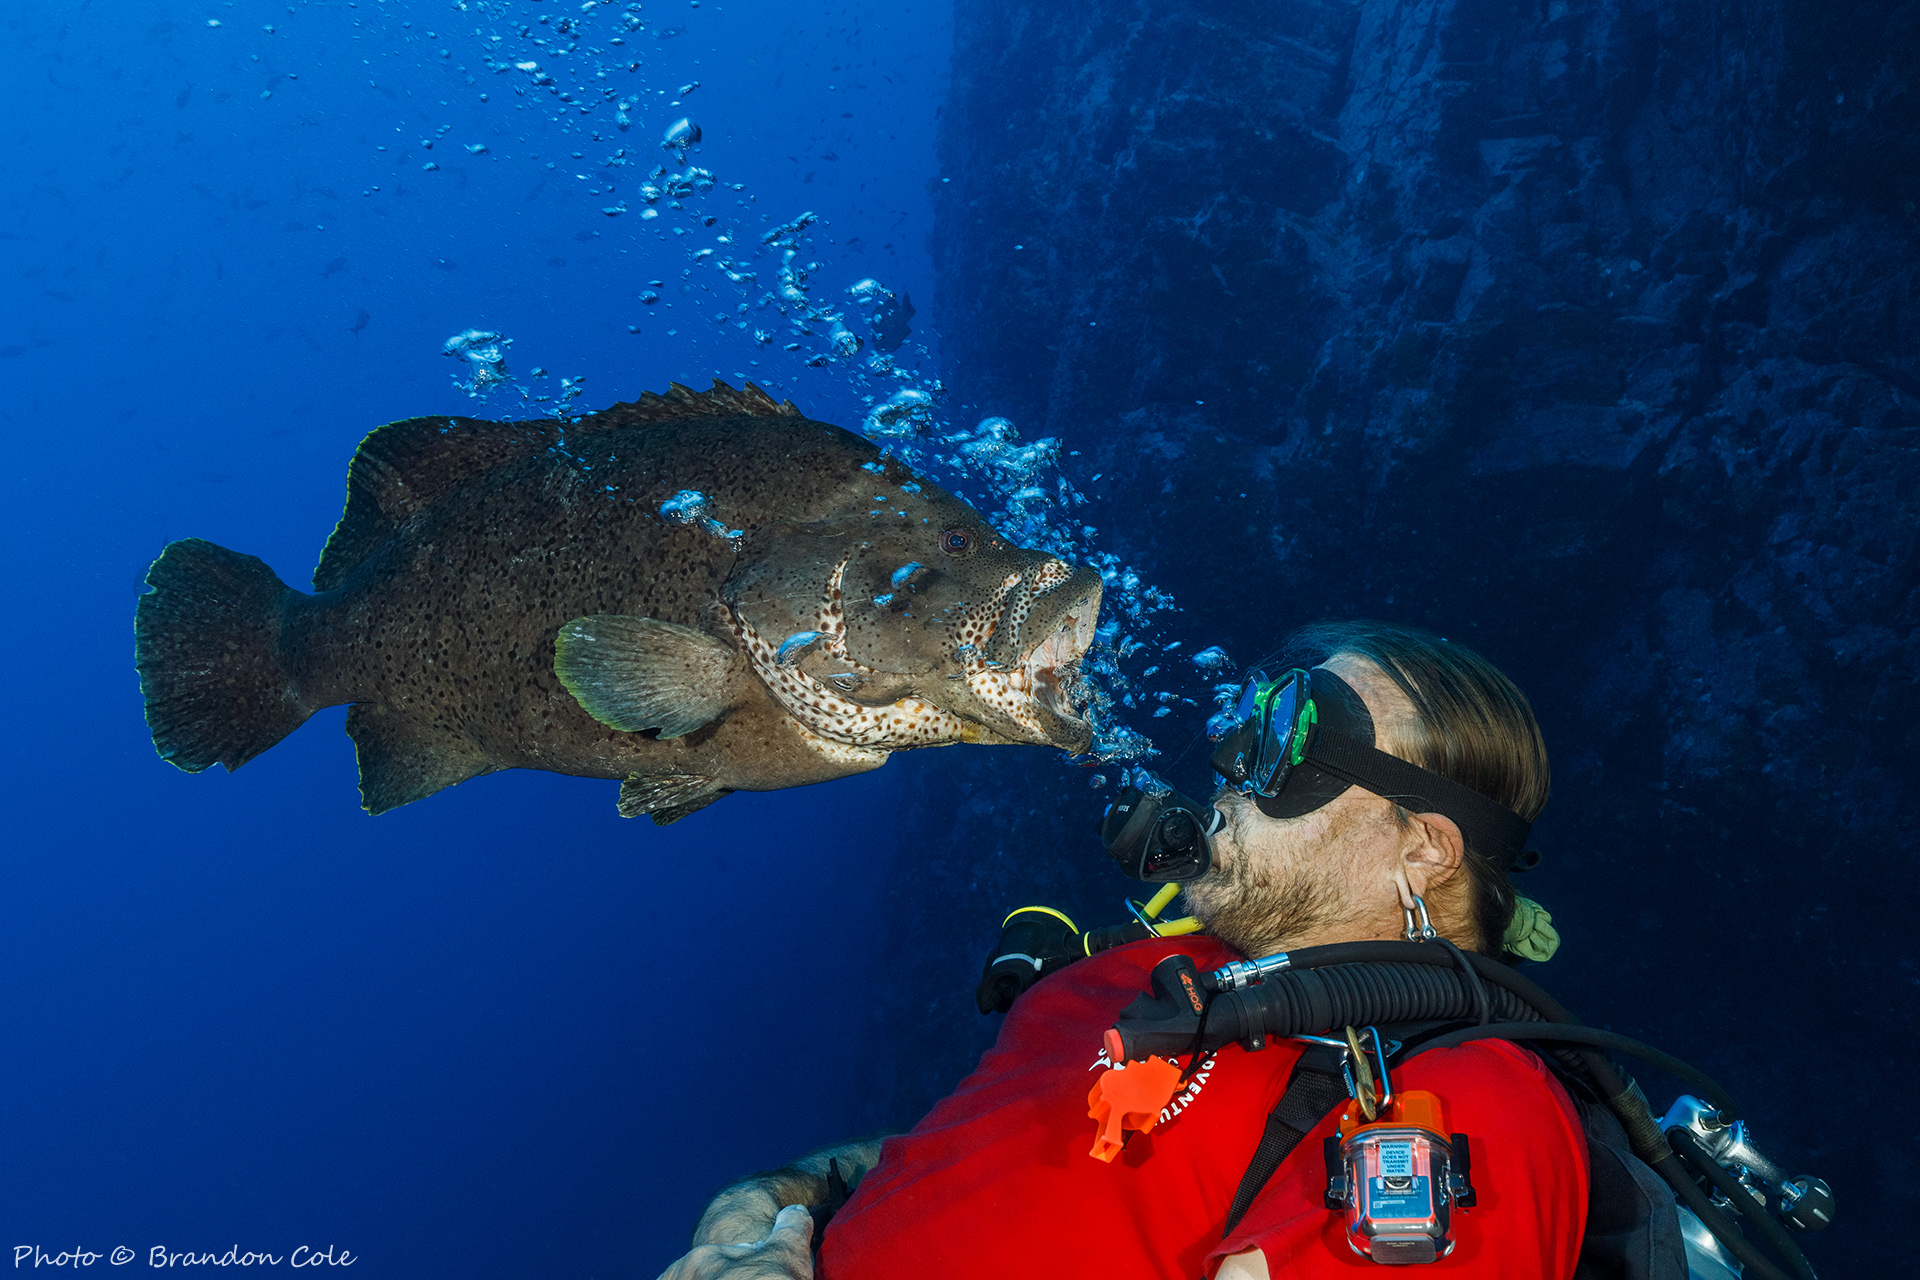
(1158, 835)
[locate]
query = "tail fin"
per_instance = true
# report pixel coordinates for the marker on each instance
(206, 643)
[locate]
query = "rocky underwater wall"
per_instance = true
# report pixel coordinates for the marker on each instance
(1587, 333)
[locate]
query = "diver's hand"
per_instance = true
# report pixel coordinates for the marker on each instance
(785, 1253)
(745, 1210)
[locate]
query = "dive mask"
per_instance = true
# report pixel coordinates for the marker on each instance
(1158, 835)
(1301, 738)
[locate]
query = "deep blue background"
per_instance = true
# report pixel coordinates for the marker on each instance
(1586, 330)
(502, 1032)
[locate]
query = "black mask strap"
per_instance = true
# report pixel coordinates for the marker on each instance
(1488, 825)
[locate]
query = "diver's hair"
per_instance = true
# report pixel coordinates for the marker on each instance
(1473, 725)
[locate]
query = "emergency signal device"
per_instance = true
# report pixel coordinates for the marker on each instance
(1395, 1167)
(1399, 1180)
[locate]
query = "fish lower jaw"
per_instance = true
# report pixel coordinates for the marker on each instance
(1061, 692)
(1039, 699)
(826, 715)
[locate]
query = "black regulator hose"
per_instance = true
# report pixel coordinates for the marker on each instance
(1539, 1004)
(1345, 984)
(1311, 1000)
(1574, 1033)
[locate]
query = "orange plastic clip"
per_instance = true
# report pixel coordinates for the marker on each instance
(1129, 1097)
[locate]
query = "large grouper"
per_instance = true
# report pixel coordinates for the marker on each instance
(696, 593)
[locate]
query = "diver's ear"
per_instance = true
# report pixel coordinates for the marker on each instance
(1432, 855)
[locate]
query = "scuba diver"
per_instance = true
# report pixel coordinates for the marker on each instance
(1333, 1062)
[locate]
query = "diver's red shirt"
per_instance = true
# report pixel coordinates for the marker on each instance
(997, 1181)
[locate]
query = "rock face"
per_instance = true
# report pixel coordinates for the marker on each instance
(1588, 334)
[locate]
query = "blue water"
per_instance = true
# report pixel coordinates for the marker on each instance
(502, 1032)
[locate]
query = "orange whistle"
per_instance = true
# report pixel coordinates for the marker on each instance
(1129, 1097)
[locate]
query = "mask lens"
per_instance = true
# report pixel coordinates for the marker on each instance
(1249, 697)
(1282, 710)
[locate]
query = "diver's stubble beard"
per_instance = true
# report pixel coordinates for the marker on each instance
(1268, 890)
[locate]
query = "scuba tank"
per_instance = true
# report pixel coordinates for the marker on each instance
(1398, 1173)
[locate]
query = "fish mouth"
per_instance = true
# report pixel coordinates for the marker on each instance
(1053, 669)
(1036, 693)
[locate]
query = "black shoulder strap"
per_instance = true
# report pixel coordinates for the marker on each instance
(1314, 1089)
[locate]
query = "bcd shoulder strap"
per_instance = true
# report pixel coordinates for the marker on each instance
(1314, 1089)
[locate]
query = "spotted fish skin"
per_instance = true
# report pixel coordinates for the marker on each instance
(469, 548)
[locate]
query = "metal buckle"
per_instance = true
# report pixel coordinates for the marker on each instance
(1360, 1082)
(1357, 1072)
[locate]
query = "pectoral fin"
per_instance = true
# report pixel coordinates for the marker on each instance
(641, 673)
(667, 797)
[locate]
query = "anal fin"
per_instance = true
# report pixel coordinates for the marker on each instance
(640, 673)
(402, 760)
(667, 797)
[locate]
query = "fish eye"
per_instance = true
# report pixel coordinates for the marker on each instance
(956, 542)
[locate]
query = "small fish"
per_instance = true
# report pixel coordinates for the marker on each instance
(333, 268)
(686, 506)
(563, 595)
(794, 643)
(889, 322)
(359, 322)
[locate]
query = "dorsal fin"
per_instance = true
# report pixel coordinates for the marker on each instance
(402, 467)
(680, 403)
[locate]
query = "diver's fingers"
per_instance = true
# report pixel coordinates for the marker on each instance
(791, 1240)
(785, 1254)
(745, 1212)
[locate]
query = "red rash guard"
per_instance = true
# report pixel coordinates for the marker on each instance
(996, 1181)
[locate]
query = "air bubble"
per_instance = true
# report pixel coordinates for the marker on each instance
(484, 353)
(680, 137)
(905, 414)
